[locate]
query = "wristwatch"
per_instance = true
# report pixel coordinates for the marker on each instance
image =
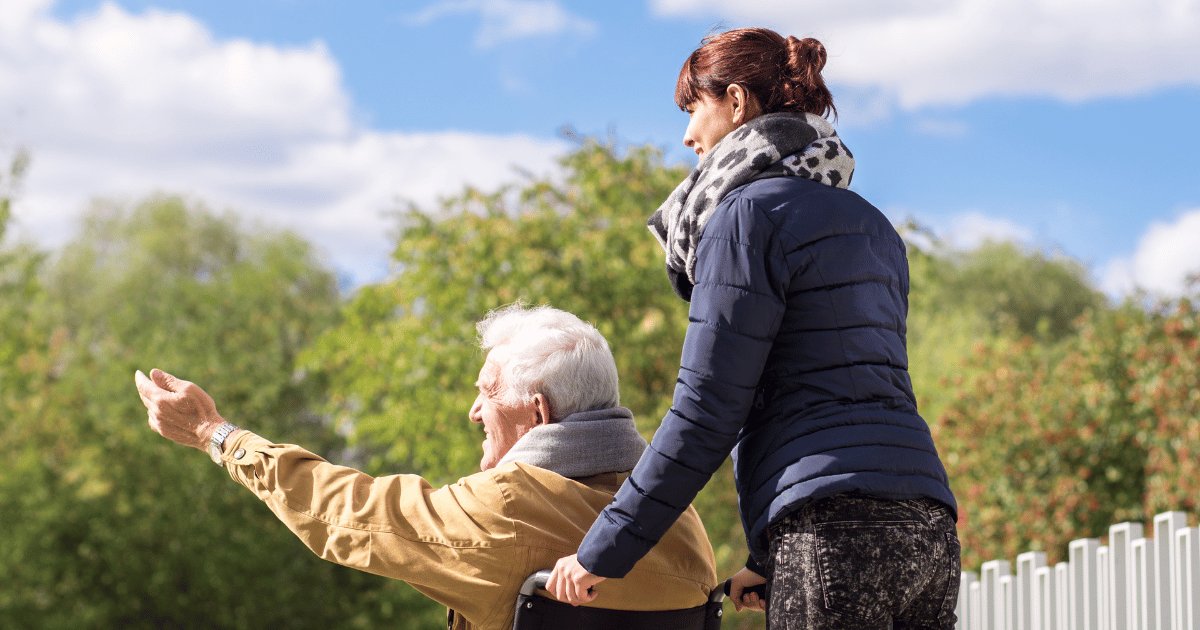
(216, 444)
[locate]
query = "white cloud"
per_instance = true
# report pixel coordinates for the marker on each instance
(120, 105)
(926, 52)
(509, 20)
(1166, 255)
(971, 229)
(964, 231)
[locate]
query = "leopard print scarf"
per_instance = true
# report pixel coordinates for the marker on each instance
(771, 145)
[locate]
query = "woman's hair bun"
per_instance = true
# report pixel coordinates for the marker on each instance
(805, 54)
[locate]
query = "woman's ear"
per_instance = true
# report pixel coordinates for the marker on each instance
(743, 105)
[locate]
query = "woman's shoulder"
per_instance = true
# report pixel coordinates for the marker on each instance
(804, 207)
(775, 193)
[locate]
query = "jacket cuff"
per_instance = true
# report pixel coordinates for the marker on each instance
(755, 566)
(609, 550)
(239, 444)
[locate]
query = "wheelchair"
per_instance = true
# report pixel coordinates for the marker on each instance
(535, 612)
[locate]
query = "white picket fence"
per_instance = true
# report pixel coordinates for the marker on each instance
(1132, 583)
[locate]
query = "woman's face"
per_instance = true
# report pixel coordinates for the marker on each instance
(710, 120)
(713, 118)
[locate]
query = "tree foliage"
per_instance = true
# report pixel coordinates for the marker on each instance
(1046, 444)
(960, 299)
(1166, 401)
(10, 182)
(20, 293)
(108, 525)
(401, 365)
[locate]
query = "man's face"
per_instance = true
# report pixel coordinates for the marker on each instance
(502, 424)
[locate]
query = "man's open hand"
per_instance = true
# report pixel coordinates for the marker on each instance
(179, 410)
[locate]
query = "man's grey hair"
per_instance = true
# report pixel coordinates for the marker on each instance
(552, 352)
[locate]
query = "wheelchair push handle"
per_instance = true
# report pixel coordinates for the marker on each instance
(537, 581)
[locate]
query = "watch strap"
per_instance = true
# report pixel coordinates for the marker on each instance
(216, 443)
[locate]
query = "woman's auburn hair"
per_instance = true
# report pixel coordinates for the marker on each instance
(784, 74)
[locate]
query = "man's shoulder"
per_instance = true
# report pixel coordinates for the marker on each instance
(532, 493)
(508, 479)
(511, 472)
(520, 474)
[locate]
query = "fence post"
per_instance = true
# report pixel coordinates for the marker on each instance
(990, 574)
(977, 605)
(1103, 594)
(1043, 601)
(1165, 525)
(963, 610)
(1141, 577)
(1062, 582)
(1120, 587)
(1081, 556)
(1027, 564)
(1188, 558)
(1008, 603)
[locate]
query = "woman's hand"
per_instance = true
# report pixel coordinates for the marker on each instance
(741, 581)
(571, 583)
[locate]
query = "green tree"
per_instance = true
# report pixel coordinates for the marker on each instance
(20, 291)
(10, 183)
(1048, 443)
(1165, 368)
(401, 364)
(1041, 441)
(116, 527)
(1022, 292)
(26, 349)
(961, 300)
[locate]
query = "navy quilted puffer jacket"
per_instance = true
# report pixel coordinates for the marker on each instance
(795, 361)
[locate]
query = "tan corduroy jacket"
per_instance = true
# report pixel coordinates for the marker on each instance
(468, 545)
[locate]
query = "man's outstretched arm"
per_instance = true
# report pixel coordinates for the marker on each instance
(436, 539)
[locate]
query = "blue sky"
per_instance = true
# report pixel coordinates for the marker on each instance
(1067, 126)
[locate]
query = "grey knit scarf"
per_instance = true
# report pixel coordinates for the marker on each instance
(582, 444)
(771, 145)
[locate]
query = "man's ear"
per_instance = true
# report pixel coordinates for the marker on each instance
(541, 407)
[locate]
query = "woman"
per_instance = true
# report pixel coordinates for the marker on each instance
(794, 360)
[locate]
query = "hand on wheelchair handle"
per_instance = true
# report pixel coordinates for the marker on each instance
(571, 583)
(543, 577)
(747, 589)
(760, 589)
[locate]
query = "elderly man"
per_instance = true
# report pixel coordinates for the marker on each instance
(557, 448)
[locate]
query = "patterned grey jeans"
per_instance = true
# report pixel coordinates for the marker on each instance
(853, 561)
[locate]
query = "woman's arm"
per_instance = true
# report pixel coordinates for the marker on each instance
(736, 309)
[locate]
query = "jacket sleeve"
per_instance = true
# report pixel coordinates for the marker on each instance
(450, 543)
(736, 308)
